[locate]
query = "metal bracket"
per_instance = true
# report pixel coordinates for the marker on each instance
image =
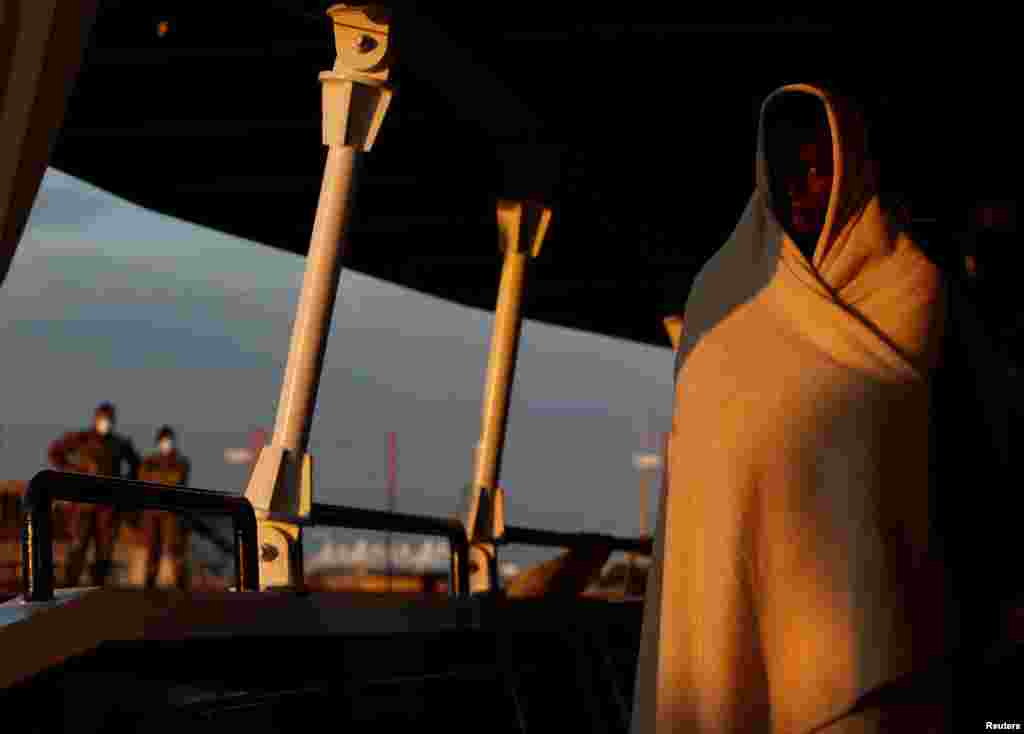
(674, 328)
(522, 226)
(282, 488)
(353, 110)
(281, 485)
(355, 93)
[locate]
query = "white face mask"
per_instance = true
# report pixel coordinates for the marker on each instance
(103, 425)
(166, 446)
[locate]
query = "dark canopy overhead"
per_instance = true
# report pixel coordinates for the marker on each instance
(639, 134)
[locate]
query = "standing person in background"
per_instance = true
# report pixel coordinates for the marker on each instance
(166, 536)
(96, 450)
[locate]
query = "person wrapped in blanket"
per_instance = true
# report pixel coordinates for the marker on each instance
(794, 569)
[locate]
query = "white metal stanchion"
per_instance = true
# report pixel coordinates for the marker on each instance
(521, 230)
(355, 99)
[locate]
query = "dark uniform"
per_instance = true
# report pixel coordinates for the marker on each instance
(164, 532)
(92, 452)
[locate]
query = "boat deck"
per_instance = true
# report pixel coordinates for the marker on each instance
(157, 660)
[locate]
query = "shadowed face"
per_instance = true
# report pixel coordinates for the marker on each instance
(104, 424)
(800, 168)
(165, 441)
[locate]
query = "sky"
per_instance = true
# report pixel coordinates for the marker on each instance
(179, 324)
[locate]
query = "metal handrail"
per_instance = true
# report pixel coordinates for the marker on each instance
(555, 538)
(49, 485)
(363, 519)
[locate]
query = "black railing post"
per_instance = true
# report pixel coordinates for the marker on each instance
(460, 560)
(37, 571)
(246, 553)
(48, 486)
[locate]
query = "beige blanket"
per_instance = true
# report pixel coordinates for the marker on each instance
(792, 570)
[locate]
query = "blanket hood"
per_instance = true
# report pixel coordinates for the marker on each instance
(864, 264)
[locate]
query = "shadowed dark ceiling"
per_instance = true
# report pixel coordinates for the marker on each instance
(639, 135)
